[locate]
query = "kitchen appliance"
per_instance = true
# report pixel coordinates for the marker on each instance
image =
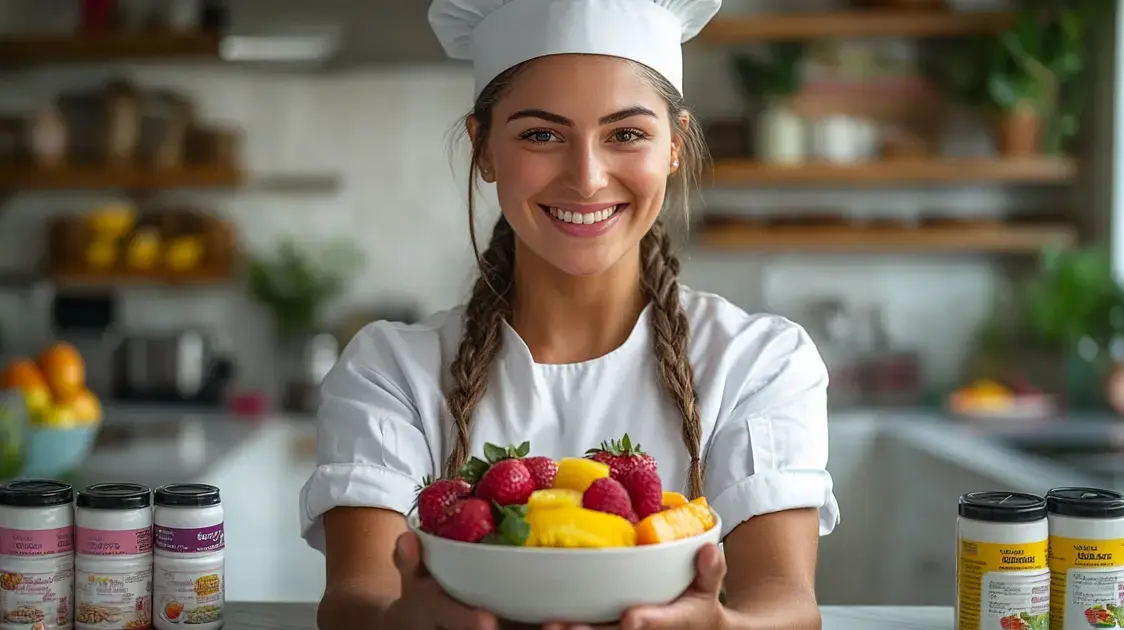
(175, 367)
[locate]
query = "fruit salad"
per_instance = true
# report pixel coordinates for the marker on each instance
(610, 497)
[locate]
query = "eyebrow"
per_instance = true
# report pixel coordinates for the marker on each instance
(617, 116)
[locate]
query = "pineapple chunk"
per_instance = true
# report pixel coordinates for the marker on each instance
(551, 499)
(576, 527)
(578, 473)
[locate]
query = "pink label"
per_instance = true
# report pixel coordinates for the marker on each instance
(36, 542)
(107, 542)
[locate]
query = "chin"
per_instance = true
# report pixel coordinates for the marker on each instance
(580, 266)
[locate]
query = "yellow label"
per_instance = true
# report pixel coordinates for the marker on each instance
(1002, 586)
(1086, 583)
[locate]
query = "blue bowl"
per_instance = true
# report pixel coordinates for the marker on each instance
(53, 452)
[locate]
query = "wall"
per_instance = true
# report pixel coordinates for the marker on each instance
(384, 132)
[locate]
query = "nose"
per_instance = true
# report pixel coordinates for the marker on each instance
(587, 171)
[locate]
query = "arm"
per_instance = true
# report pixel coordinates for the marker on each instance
(767, 474)
(771, 572)
(362, 580)
(371, 454)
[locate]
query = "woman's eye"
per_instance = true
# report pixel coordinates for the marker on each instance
(628, 136)
(539, 135)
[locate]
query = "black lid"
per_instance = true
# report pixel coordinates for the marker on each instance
(1085, 502)
(187, 495)
(1002, 507)
(114, 496)
(36, 493)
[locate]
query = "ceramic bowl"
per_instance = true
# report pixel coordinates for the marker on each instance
(535, 585)
(51, 452)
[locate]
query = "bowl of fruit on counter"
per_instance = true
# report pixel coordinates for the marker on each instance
(582, 539)
(51, 417)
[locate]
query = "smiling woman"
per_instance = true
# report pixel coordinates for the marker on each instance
(577, 332)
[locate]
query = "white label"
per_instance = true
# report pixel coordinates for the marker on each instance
(1015, 600)
(114, 601)
(190, 597)
(1094, 597)
(27, 599)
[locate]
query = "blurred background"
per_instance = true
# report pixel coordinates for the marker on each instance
(202, 200)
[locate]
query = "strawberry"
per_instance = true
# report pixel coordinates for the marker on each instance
(542, 471)
(501, 476)
(645, 491)
(467, 520)
(435, 496)
(608, 495)
(622, 456)
(507, 482)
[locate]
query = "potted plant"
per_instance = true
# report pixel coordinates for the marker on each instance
(295, 283)
(780, 130)
(1074, 310)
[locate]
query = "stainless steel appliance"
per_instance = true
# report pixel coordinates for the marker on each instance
(176, 367)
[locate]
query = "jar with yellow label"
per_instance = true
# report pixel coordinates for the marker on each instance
(1086, 558)
(1002, 572)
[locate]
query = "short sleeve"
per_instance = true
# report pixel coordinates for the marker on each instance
(769, 449)
(371, 446)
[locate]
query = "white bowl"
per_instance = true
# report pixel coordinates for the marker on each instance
(535, 585)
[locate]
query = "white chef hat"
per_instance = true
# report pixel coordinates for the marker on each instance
(498, 34)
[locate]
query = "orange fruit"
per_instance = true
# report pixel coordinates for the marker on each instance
(22, 373)
(64, 369)
(83, 406)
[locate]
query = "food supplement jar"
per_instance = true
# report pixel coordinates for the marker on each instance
(1002, 572)
(113, 557)
(1086, 557)
(189, 584)
(36, 555)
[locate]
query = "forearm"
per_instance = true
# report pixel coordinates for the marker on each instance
(354, 608)
(772, 604)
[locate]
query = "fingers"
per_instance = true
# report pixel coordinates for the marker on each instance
(711, 565)
(449, 614)
(407, 557)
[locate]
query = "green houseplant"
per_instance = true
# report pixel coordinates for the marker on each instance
(296, 282)
(780, 131)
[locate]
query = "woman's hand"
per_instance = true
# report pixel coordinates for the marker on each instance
(423, 605)
(697, 609)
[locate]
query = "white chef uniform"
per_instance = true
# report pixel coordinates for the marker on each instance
(761, 383)
(761, 389)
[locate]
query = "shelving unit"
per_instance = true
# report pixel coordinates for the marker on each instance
(968, 239)
(123, 178)
(860, 23)
(1038, 170)
(98, 48)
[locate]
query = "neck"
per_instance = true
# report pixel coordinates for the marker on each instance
(568, 319)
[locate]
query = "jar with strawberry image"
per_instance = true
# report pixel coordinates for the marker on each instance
(1086, 557)
(189, 557)
(36, 555)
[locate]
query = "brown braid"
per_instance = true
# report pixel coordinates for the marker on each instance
(482, 338)
(493, 293)
(660, 283)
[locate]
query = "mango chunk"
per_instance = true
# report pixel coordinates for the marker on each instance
(555, 498)
(578, 528)
(578, 473)
(685, 521)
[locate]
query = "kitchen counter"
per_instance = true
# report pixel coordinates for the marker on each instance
(255, 616)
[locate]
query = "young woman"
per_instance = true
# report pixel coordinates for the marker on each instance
(578, 331)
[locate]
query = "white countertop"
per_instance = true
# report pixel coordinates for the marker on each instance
(887, 618)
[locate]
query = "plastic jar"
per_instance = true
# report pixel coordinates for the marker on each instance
(36, 554)
(1002, 570)
(190, 557)
(1086, 557)
(113, 557)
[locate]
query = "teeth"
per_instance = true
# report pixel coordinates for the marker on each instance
(588, 218)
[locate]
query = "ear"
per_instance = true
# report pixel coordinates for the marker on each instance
(487, 173)
(677, 141)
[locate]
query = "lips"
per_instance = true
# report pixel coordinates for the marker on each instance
(577, 217)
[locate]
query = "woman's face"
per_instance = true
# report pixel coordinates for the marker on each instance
(580, 151)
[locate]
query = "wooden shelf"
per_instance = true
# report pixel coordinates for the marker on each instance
(203, 278)
(82, 48)
(840, 24)
(118, 178)
(1044, 170)
(999, 239)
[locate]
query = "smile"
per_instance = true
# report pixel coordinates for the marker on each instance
(583, 218)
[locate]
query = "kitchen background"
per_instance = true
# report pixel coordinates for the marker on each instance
(200, 201)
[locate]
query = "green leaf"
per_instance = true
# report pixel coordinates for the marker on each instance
(493, 453)
(523, 450)
(512, 528)
(473, 470)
